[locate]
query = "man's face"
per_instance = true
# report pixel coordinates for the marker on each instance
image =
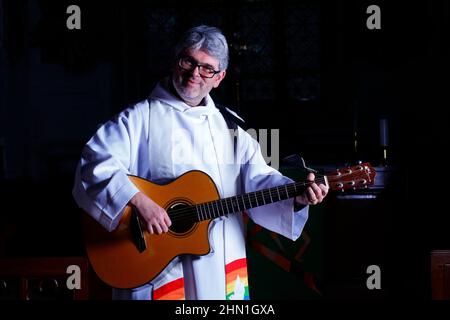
(190, 85)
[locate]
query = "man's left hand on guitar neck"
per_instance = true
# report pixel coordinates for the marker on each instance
(313, 194)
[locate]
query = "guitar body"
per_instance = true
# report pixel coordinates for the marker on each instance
(114, 255)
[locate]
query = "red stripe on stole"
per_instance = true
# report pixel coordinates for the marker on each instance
(168, 287)
(236, 264)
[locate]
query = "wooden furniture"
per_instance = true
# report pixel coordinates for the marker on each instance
(44, 278)
(440, 275)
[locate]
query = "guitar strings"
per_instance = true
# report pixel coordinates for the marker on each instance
(256, 195)
(192, 211)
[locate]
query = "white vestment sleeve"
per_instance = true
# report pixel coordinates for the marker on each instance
(102, 187)
(278, 217)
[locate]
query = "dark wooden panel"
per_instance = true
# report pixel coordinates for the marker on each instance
(29, 276)
(440, 275)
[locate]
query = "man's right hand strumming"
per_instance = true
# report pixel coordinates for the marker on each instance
(151, 214)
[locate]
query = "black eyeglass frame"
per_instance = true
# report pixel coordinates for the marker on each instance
(195, 64)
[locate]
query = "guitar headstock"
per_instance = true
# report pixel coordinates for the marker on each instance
(355, 177)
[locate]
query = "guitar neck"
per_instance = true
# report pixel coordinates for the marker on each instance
(355, 177)
(239, 203)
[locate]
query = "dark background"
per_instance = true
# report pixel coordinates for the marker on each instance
(311, 69)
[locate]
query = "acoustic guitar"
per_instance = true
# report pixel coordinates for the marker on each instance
(129, 256)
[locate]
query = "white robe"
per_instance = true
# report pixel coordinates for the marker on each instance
(159, 139)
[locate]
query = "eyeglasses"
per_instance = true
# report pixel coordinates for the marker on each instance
(189, 64)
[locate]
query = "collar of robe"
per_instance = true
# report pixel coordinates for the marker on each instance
(162, 94)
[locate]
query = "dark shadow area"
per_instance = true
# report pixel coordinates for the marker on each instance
(311, 69)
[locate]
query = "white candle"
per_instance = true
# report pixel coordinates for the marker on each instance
(384, 132)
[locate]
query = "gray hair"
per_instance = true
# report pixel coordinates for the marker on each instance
(208, 39)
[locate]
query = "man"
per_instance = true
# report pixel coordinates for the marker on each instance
(178, 129)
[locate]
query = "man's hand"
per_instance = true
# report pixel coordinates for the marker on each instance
(313, 194)
(151, 214)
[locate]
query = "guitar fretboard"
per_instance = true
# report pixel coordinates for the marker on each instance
(239, 203)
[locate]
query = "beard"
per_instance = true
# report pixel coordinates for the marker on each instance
(190, 93)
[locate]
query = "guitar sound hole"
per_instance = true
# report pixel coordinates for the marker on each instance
(183, 219)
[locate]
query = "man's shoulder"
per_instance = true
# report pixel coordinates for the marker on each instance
(140, 106)
(133, 110)
(143, 104)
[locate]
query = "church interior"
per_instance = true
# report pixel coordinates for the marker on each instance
(340, 83)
